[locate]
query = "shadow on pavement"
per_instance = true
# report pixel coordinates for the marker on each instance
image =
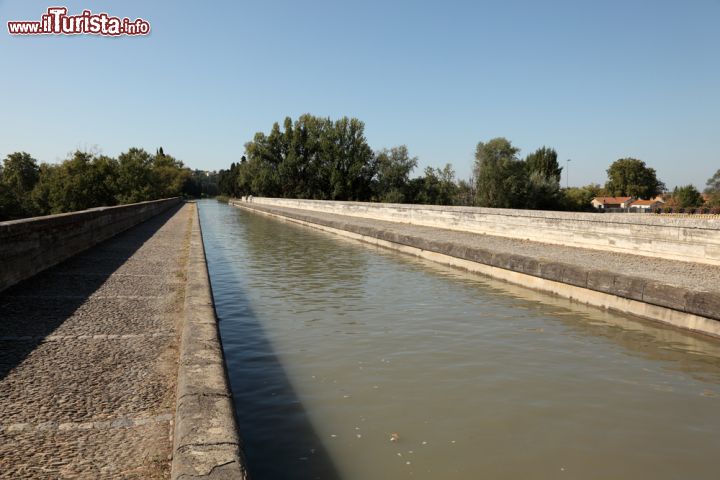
(36, 307)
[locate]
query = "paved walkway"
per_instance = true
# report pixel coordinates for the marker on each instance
(88, 358)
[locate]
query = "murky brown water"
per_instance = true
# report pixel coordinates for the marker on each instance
(332, 346)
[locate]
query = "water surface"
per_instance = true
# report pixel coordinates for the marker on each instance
(333, 346)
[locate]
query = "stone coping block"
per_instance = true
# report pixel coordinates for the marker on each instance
(206, 442)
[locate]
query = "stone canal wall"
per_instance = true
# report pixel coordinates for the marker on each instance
(685, 239)
(206, 439)
(684, 306)
(29, 246)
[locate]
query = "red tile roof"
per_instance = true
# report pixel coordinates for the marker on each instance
(612, 200)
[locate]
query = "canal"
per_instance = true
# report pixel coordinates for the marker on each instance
(350, 361)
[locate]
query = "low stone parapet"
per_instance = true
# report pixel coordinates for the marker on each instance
(31, 245)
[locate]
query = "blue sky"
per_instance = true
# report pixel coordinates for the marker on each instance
(595, 80)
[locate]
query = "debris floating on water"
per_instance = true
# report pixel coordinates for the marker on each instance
(394, 437)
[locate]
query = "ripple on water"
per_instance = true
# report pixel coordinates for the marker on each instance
(333, 346)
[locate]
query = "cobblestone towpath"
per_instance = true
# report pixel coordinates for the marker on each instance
(88, 358)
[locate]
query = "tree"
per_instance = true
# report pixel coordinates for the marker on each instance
(687, 196)
(436, 187)
(40, 196)
(713, 189)
(543, 191)
(630, 177)
(578, 199)
(351, 159)
(501, 177)
(311, 158)
(82, 181)
(465, 193)
(134, 177)
(10, 208)
(20, 172)
(19, 175)
(544, 162)
(394, 168)
(168, 176)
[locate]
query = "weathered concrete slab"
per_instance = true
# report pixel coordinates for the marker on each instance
(206, 441)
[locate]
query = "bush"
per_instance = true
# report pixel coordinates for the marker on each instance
(715, 210)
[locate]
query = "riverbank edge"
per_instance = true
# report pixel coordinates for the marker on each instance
(206, 442)
(696, 311)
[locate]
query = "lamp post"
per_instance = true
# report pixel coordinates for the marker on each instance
(567, 172)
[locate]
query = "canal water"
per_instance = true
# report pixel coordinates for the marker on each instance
(352, 362)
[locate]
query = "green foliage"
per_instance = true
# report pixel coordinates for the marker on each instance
(20, 172)
(394, 168)
(134, 177)
(202, 184)
(168, 176)
(465, 192)
(713, 183)
(502, 178)
(632, 178)
(578, 199)
(10, 207)
(713, 190)
(86, 180)
(311, 158)
(687, 196)
(18, 176)
(436, 187)
(544, 163)
(543, 191)
(83, 181)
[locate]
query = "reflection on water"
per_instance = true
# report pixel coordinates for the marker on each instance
(332, 346)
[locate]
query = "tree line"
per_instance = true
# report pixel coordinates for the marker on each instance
(86, 180)
(318, 158)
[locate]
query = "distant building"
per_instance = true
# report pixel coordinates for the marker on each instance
(646, 204)
(602, 203)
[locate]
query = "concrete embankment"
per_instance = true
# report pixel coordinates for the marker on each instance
(206, 442)
(29, 246)
(685, 239)
(679, 293)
